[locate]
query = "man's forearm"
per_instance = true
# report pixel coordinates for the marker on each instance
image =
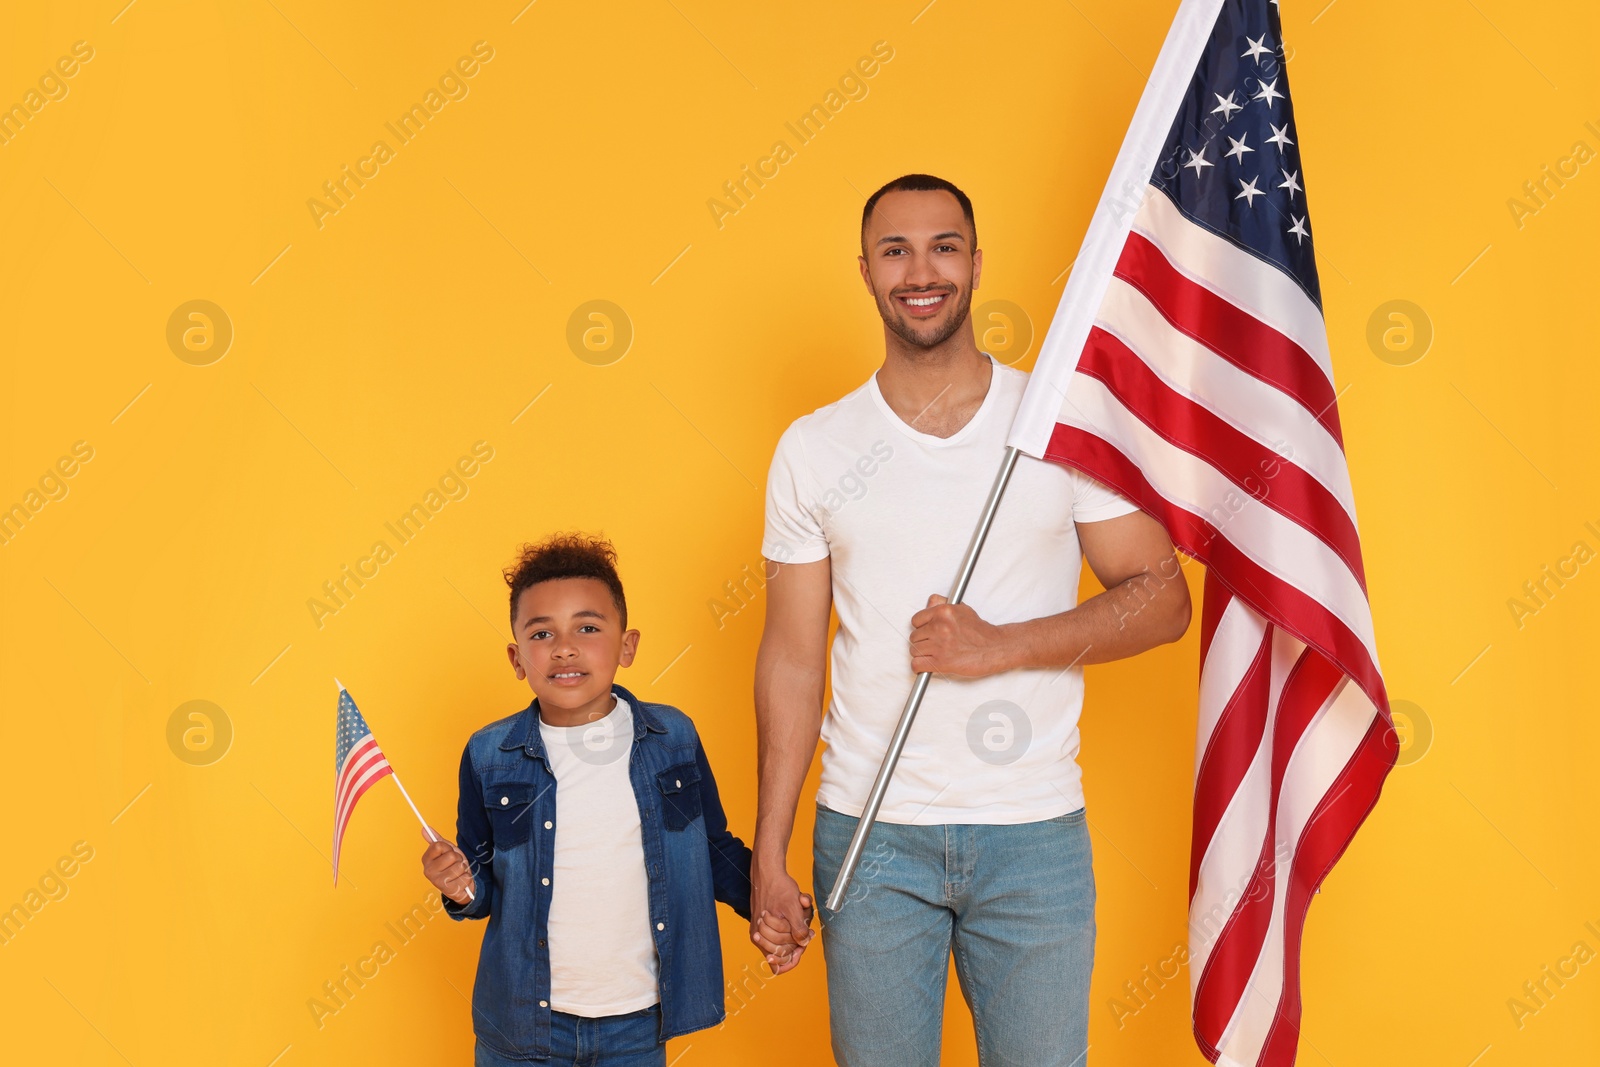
(1135, 615)
(788, 726)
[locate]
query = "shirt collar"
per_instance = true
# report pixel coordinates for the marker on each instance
(525, 733)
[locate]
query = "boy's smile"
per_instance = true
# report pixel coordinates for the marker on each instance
(569, 644)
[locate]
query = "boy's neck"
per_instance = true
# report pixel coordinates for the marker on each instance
(583, 715)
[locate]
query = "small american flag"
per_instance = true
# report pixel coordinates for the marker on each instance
(1188, 367)
(358, 763)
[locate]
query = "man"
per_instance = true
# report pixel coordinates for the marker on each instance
(981, 848)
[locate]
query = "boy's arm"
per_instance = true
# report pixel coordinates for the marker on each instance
(476, 840)
(730, 857)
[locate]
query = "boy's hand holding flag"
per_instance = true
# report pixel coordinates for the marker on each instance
(446, 867)
(358, 764)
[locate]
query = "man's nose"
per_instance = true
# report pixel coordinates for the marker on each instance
(922, 272)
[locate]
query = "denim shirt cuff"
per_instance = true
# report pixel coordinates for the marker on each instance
(473, 909)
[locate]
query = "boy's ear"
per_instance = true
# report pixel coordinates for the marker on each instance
(630, 648)
(516, 664)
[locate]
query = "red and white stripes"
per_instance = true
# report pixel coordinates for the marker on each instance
(363, 767)
(1204, 393)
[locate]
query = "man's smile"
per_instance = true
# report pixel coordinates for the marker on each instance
(922, 305)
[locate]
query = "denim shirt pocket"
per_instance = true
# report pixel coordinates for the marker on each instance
(510, 810)
(680, 795)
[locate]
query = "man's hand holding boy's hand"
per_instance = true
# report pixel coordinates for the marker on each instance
(782, 944)
(445, 866)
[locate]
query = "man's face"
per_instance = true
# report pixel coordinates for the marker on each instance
(920, 266)
(570, 641)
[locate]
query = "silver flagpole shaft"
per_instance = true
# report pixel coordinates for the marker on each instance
(880, 786)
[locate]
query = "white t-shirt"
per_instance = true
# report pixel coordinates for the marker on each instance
(894, 508)
(602, 957)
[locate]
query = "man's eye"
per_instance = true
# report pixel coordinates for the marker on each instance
(945, 248)
(895, 252)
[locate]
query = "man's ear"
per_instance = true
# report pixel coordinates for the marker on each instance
(630, 648)
(977, 267)
(866, 274)
(516, 662)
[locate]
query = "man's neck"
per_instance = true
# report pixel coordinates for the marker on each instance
(937, 390)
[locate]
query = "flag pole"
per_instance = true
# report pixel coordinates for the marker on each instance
(880, 785)
(426, 829)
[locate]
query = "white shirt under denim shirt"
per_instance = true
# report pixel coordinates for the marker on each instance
(602, 958)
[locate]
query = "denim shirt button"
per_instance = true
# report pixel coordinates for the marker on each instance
(661, 926)
(504, 801)
(544, 1003)
(544, 881)
(548, 824)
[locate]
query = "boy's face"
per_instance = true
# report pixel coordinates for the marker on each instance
(570, 642)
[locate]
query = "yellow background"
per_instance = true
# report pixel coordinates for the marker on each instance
(368, 354)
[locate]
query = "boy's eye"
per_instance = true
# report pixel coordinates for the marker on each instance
(589, 628)
(541, 635)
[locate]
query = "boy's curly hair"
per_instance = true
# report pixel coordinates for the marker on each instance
(569, 555)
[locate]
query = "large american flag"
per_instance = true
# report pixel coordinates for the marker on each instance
(358, 763)
(1188, 367)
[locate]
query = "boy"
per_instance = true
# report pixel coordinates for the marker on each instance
(592, 838)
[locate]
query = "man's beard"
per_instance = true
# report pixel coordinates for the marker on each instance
(888, 309)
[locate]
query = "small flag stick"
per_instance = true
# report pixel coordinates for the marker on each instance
(425, 827)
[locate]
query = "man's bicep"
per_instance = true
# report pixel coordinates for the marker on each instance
(1117, 549)
(799, 601)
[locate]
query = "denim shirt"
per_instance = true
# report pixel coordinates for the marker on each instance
(506, 825)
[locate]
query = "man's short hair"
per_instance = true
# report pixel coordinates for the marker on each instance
(918, 183)
(570, 555)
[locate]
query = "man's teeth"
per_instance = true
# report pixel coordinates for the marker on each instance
(923, 301)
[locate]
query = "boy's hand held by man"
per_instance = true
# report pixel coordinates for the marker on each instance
(777, 897)
(782, 942)
(446, 867)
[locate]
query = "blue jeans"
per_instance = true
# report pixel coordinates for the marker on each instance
(1014, 903)
(631, 1040)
